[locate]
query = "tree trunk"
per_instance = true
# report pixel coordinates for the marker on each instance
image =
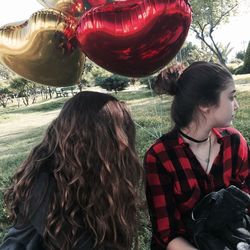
(18, 101)
(25, 100)
(215, 50)
(80, 87)
(3, 103)
(50, 93)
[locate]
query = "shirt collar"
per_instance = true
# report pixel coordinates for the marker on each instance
(174, 139)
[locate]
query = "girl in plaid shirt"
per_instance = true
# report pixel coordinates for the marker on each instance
(201, 154)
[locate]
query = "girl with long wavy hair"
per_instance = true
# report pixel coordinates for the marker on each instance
(79, 187)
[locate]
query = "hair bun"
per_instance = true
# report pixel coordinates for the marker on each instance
(166, 81)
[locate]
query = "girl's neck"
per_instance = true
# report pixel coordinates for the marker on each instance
(196, 132)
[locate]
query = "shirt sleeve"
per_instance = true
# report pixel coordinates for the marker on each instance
(22, 238)
(165, 217)
(37, 204)
(28, 230)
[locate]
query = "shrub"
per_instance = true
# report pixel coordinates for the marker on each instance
(113, 82)
(239, 70)
(240, 55)
(245, 68)
(247, 60)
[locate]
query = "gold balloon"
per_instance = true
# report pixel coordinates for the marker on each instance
(73, 7)
(40, 49)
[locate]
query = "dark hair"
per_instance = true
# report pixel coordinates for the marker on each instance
(199, 84)
(165, 82)
(90, 150)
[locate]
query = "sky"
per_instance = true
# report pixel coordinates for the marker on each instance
(237, 31)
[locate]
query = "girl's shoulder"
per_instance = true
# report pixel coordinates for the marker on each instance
(167, 141)
(38, 202)
(232, 136)
(228, 131)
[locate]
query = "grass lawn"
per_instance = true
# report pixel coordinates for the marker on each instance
(23, 128)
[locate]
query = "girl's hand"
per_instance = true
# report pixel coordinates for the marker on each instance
(180, 243)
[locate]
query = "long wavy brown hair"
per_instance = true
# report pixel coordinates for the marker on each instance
(90, 151)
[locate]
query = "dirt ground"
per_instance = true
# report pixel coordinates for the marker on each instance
(25, 122)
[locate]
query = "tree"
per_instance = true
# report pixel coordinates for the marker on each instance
(19, 85)
(91, 72)
(246, 65)
(225, 51)
(46, 91)
(207, 17)
(190, 53)
(4, 73)
(240, 55)
(24, 89)
(245, 68)
(4, 96)
(113, 82)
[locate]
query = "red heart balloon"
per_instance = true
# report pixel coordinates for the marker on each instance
(95, 3)
(135, 37)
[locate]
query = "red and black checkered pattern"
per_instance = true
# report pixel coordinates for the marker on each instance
(176, 181)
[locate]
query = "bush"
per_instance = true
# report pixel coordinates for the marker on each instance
(113, 82)
(247, 60)
(239, 70)
(240, 55)
(148, 81)
(245, 68)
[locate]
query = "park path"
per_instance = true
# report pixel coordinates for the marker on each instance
(24, 122)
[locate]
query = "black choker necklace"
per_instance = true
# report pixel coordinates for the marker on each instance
(192, 139)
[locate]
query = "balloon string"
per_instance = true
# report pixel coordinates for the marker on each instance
(154, 135)
(157, 132)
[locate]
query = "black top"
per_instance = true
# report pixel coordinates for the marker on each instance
(27, 235)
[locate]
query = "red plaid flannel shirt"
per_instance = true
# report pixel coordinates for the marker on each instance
(175, 180)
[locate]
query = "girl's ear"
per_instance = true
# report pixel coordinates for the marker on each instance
(204, 109)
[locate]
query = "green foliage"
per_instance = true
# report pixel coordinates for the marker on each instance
(211, 13)
(113, 82)
(188, 53)
(245, 68)
(239, 70)
(19, 84)
(92, 72)
(234, 64)
(4, 72)
(4, 91)
(23, 88)
(225, 50)
(240, 55)
(4, 96)
(247, 60)
(148, 81)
